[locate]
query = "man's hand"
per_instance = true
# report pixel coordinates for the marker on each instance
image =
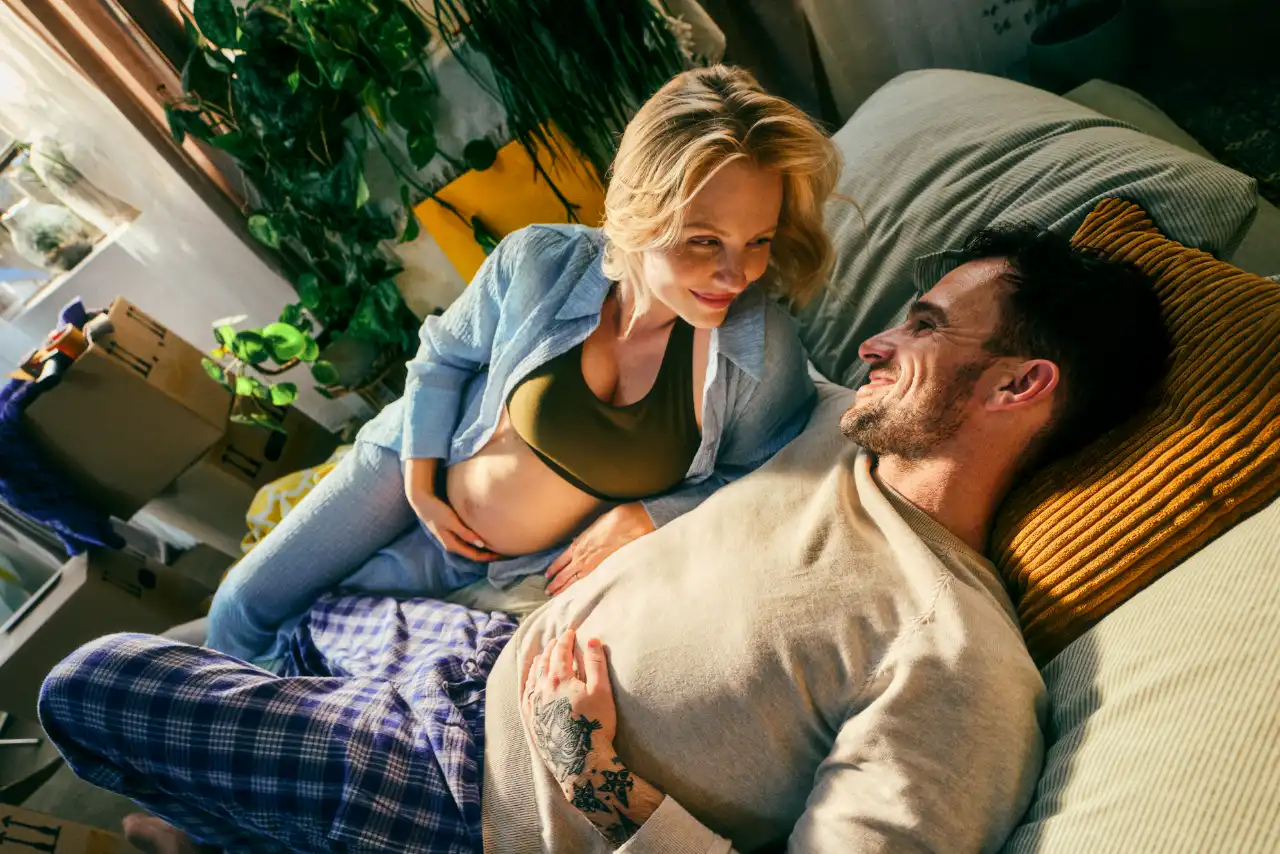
(568, 706)
(603, 537)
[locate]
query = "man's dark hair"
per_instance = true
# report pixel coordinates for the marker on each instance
(1098, 320)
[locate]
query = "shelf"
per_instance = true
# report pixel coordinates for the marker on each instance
(59, 281)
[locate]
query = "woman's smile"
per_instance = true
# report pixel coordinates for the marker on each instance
(714, 299)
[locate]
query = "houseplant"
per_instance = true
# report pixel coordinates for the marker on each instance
(297, 91)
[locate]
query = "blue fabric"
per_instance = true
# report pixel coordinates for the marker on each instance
(538, 295)
(32, 485)
(382, 753)
(354, 531)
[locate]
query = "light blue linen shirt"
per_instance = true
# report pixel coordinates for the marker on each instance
(539, 295)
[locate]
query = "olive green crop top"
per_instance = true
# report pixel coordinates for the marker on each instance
(616, 453)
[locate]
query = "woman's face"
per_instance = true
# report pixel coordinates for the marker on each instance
(724, 246)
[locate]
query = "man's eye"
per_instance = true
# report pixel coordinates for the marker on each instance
(923, 325)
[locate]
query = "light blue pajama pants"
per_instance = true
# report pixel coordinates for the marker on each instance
(356, 532)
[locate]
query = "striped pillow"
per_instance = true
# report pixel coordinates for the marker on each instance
(1162, 727)
(935, 155)
(1090, 531)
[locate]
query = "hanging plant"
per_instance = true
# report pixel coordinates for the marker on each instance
(583, 66)
(296, 91)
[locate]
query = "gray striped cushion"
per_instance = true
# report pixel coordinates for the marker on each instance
(935, 155)
(1164, 733)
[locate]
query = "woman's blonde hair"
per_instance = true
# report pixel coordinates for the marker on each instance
(696, 124)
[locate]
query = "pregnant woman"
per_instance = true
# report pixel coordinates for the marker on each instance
(589, 386)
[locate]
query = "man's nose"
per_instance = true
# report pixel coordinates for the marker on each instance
(877, 348)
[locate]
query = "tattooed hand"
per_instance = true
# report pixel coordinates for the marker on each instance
(568, 707)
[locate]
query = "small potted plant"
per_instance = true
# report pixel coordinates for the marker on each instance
(243, 359)
(1074, 42)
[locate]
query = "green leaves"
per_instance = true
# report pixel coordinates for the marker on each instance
(411, 108)
(250, 347)
(309, 290)
(225, 335)
(283, 394)
(292, 314)
(480, 154)
(261, 227)
(362, 191)
(338, 73)
(208, 77)
(284, 341)
(258, 419)
(373, 99)
(296, 92)
(325, 373)
(422, 146)
(214, 370)
(312, 351)
(252, 387)
(239, 145)
(412, 228)
(484, 235)
(184, 120)
(217, 21)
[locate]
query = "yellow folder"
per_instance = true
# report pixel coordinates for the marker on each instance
(508, 195)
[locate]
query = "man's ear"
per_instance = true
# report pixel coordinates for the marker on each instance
(1025, 383)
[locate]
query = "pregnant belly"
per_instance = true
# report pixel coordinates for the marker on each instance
(513, 501)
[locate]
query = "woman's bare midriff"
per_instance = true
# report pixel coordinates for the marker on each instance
(513, 501)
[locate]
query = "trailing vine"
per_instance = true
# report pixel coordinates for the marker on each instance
(297, 91)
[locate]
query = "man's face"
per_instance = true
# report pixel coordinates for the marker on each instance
(931, 373)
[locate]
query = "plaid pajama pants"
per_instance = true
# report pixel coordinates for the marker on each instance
(371, 739)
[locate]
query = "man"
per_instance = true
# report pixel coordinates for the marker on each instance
(819, 657)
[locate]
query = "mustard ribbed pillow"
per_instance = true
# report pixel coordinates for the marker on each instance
(1089, 531)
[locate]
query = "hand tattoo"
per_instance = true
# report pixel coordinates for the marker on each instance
(617, 783)
(563, 739)
(621, 830)
(584, 798)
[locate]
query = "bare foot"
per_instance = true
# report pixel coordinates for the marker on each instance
(155, 836)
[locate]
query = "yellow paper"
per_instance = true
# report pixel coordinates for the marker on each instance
(510, 195)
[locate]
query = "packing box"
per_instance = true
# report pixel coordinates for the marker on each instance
(131, 413)
(96, 593)
(210, 499)
(26, 832)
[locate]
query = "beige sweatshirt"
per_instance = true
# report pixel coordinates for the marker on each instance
(806, 657)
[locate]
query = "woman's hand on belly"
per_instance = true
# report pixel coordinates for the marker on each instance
(601, 538)
(436, 514)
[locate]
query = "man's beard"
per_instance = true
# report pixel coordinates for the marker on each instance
(913, 432)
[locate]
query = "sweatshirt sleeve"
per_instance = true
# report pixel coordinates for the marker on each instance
(672, 830)
(938, 760)
(942, 755)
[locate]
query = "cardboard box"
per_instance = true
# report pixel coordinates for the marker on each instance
(27, 832)
(94, 594)
(131, 414)
(210, 499)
